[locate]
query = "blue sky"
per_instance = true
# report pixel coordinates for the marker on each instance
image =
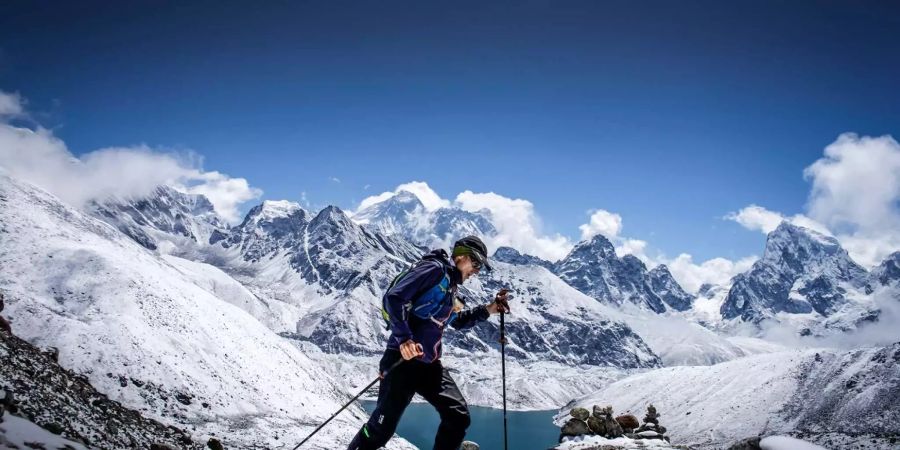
(669, 114)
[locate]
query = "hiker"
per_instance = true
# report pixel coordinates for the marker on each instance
(418, 305)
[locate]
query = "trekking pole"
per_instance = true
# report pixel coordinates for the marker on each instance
(394, 366)
(503, 370)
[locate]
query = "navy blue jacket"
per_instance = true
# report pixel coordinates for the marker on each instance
(427, 332)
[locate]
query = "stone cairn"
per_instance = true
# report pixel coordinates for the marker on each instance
(601, 423)
(650, 429)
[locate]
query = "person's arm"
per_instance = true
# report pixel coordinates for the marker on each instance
(399, 298)
(469, 317)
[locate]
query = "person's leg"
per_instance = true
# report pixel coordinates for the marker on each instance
(438, 388)
(395, 392)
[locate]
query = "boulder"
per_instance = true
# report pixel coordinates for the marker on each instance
(628, 422)
(53, 427)
(580, 413)
(597, 425)
(575, 427)
(649, 434)
(469, 445)
(215, 444)
(158, 446)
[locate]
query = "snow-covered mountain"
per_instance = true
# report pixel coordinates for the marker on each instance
(663, 284)
(887, 273)
(512, 256)
(802, 272)
(148, 335)
(344, 267)
(162, 216)
(839, 399)
(319, 278)
(592, 267)
(404, 214)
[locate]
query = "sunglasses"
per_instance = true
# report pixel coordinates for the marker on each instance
(476, 261)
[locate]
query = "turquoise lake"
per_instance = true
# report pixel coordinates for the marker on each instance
(528, 430)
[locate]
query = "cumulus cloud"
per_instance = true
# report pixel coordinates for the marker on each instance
(714, 271)
(39, 157)
(855, 196)
(758, 218)
(601, 222)
(517, 223)
(856, 185)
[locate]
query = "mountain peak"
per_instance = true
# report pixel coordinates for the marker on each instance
(801, 271)
(270, 210)
(510, 255)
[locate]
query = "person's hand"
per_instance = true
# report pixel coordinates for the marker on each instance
(500, 303)
(410, 350)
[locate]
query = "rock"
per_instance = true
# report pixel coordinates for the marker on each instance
(598, 411)
(746, 444)
(597, 425)
(215, 444)
(627, 421)
(4, 325)
(652, 416)
(575, 427)
(580, 413)
(53, 427)
(158, 446)
(649, 434)
(184, 399)
(469, 445)
(52, 353)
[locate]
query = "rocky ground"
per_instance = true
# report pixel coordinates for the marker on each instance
(36, 389)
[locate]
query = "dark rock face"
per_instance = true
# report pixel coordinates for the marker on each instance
(664, 285)
(512, 256)
(800, 272)
(66, 404)
(593, 268)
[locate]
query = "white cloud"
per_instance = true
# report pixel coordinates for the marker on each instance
(430, 199)
(757, 218)
(39, 157)
(857, 184)
(602, 222)
(334, 179)
(714, 271)
(374, 199)
(855, 196)
(517, 224)
(226, 194)
(634, 247)
(11, 104)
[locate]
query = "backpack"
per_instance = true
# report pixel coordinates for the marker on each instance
(427, 302)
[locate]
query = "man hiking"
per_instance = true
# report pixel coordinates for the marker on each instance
(418, 305)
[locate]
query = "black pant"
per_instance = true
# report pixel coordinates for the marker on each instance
(430, 380)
